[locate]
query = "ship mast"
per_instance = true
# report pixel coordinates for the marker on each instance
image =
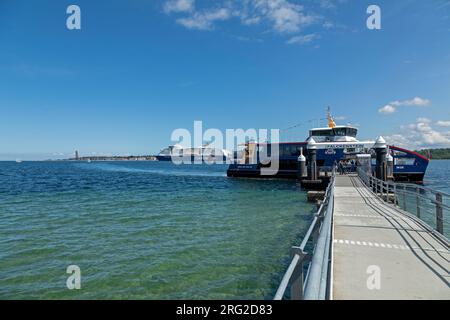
(331, 122)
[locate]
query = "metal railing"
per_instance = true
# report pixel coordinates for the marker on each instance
(430, 206)
(308, 273)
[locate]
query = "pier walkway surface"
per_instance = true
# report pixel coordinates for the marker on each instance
(381, 252)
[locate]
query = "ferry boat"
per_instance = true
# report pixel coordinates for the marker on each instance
(334, 144)
(203, 153)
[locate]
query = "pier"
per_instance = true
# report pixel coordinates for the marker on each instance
(373, 239)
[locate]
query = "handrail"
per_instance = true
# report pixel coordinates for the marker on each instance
(427, 198)
(314, 284)
(318, 274)
(393, 192)
(411, 185)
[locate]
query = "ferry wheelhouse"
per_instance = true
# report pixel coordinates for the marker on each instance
(333, 144)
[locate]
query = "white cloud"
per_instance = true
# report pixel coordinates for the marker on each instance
(424, 120)
(419, 135)
(393, 106)
(330, 4)
(328, 25)
(327, 4)
(302, 39)
(179, 6)
(205, 20)
(284, 16)
(417, 101)
(387, 109)
(443, 123)
(399, 140)
(247, 39)
(251, 21)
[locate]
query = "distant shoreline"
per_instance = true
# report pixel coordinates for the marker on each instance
(112, 158)
(88, 159)
(436, 154)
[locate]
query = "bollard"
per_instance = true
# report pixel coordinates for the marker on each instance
(312, 160)
(381, 151)
(301, 166)
(389, 165)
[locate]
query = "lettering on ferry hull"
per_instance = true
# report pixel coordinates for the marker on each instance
(342, 146)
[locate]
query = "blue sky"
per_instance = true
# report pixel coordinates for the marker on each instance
(139, 69)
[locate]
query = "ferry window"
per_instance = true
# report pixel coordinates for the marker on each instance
(289, 150)
(295, 150)
(321, 133)
(404, 161)
(284, 150)
(340, 132)
(352, 132)
(399, 153)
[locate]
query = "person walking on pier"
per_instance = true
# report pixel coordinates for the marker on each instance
(341, 168)
(353, 164)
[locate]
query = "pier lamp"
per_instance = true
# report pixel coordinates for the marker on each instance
(301, 165)
(380, 148)
(389, 165)
(312, 159)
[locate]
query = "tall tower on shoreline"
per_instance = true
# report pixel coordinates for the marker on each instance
(76, 155)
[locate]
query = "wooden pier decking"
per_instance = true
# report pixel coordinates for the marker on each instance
(381, 252)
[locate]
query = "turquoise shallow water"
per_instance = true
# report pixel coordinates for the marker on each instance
(144, 230)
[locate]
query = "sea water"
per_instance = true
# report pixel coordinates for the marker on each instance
(144, 230)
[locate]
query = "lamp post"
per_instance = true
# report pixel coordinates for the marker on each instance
(312, 159)
(380, 148)
(301, 166)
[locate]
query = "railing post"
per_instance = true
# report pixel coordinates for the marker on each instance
(297, 283)
(395, 194)
(404, 197)
(418, 202)
(388, 190)
(439, 216)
